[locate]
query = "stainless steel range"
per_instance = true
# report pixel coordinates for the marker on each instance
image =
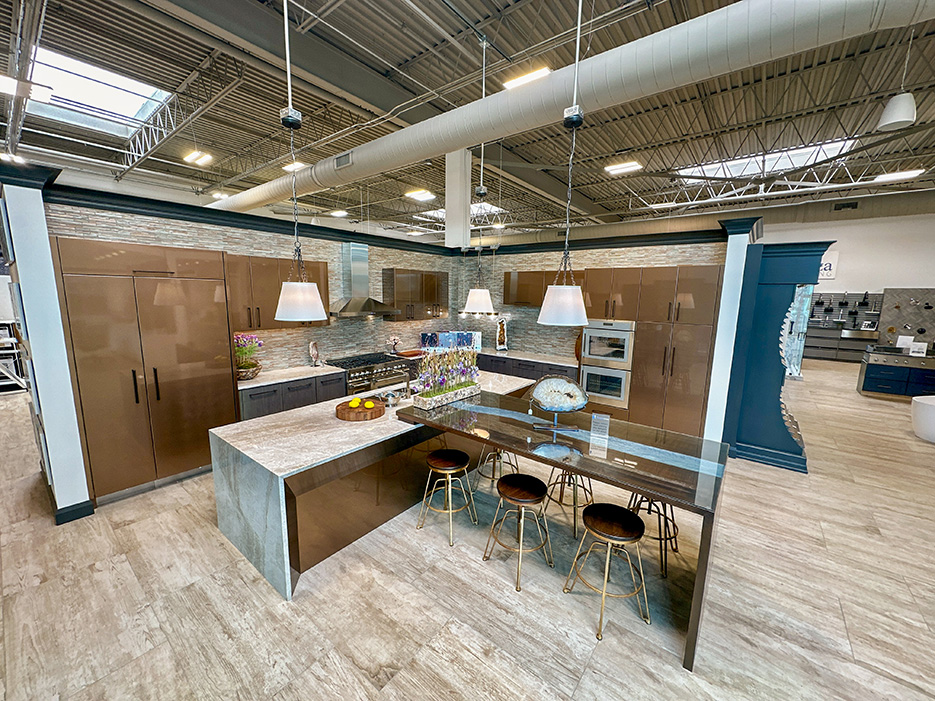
(372, 370)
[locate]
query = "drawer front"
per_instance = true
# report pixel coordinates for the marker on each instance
(299, 393)
(920, 390)
(821, 343)
(922, 376)
(484, 362)
(331, 387)
(528, 369)
(888, 372)
(260, 401)
(831, 353)
(813, 333)
(876, 384)
(562, 370)
(504, 366)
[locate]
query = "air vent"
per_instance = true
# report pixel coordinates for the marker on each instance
(342, 160)
(842, 206)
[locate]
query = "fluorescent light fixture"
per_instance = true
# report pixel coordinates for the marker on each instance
(421, 195)
(191, 157)
(498, 225)
(416, 232)
(621, 168)
(220, 195)
(199, 158)
(205, 159)
(6, 157)
(19, 160)
(295, 165)
(899, 175)
(666, 205)
(339, 213)
(528, 78)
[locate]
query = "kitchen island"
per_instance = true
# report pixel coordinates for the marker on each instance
(294, 487)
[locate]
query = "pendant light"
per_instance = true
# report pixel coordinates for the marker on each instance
(478, 299)
(563, 304)
(900, 110)
(299, 299)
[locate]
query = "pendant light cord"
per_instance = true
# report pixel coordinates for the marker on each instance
(297, 250)
(902, 83)
(483, 94)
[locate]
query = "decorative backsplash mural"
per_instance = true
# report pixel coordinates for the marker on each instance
(908, 311)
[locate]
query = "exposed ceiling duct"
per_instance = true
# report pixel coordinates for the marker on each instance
(734, 38)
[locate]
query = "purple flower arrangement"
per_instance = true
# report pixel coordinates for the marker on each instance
(245, 347)
(447, 371)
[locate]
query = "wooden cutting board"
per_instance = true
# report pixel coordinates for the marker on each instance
(344, 411)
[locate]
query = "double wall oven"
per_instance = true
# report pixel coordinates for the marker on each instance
(606, 361)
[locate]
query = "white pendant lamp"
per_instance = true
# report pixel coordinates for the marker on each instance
(478, 299)
(900, 111)
(299, 299)
(563, 304)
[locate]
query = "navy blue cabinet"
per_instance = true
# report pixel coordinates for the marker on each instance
(889, 379)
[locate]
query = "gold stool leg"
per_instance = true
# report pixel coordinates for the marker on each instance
(639, 560)
(600, 624)
(449, 505)
(488, 550)
(468, 496)
(573, 570)
(521, 516)
(424, 511)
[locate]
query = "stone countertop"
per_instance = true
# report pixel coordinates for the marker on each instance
(293, 441)
(274, 377)
(535, 357)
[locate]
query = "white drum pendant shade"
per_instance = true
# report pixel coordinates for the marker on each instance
(899, 113)
(479, 302)
(563, 306)
(300, 301)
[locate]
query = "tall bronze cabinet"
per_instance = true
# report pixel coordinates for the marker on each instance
(152, 358)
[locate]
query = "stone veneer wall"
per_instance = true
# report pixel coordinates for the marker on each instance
(289, 347)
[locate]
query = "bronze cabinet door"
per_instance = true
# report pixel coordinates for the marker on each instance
(239, 293)
(689, 360)
(318, 273)
(187, 360)
(265, 283)
(657, 294)
(105, 338)
(625, 294)
(649, 374)
(597, 286)
(696, 295)
(530, 287)
(429, 301)
(91, 257)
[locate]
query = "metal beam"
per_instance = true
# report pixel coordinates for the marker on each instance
(207, 85)
(28, 17)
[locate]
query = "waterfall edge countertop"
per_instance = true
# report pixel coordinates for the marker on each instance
(290, 442)
(570, 361)
(274, 377)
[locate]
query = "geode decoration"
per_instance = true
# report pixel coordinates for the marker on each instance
(558, 393)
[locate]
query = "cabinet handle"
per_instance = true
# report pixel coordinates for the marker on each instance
(156, 272)
(261, 394)
(613, 309)
(678, 310)
(331, 381)
(672, 362)
(296, 389)
(665, 353)
(669, 313)
(606, 308)
(136, 387)
(249, 318)
(156, 381)
(258, 322)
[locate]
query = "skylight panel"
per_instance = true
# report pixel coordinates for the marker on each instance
(477, 209)
(766, 163)
(92, 97)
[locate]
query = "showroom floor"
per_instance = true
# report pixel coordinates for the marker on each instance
(822, 587)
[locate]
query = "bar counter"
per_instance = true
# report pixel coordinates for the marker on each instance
(294, 487)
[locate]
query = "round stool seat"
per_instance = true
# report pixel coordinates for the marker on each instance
(448, 460)
(520, 489)
(613, 522)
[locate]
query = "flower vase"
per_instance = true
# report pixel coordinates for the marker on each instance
(248, 373)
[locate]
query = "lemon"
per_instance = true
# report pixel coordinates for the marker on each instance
(368, 405)
(354, 403)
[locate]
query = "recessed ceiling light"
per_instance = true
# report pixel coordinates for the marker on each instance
(421, 195)
(621, 168)
(339, 213)
(295, 165)
(899, 175)
(220, 195)
(528, 78)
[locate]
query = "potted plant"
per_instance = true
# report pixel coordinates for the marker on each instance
(245, 347)
(447, 376)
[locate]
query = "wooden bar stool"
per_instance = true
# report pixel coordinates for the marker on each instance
(573, 490)
(668, 529)
(615, 527)
(523, 492)
(445, 464)
(496, 459)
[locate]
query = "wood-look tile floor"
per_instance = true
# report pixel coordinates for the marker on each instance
(822, 587)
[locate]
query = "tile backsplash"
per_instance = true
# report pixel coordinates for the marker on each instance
(289, 347)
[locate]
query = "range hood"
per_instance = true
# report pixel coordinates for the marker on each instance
(355, 258)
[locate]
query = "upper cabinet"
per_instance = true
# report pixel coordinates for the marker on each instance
(417, 294)
(525, 288)
(687, 294)
(253, 286)
(90, 257)
(612, 293)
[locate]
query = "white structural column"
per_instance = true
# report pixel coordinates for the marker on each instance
(458, 199)
(726, 334)
(46, 337)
